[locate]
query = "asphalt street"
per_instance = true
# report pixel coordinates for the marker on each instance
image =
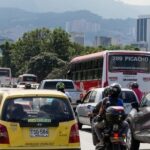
(86, 140)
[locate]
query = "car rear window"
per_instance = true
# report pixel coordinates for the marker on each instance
(52, 85)
(32, 110)
(29, 79)
(128, 96)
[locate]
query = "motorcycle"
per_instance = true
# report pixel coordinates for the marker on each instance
(114, 131)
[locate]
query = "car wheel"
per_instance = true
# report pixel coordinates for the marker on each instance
(132, 144)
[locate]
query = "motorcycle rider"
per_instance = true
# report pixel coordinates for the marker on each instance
(94, 115)
(60, 86)
(112, 100)
(138, 92)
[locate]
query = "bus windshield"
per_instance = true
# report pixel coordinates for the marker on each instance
(136, 63)
(4, 72)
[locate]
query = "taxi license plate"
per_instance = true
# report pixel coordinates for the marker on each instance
(39, 132)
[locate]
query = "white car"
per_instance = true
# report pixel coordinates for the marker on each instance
(74, 93)
(93, 96)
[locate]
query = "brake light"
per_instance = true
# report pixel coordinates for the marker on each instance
(4, 138)
(74, 134)
(116, 135)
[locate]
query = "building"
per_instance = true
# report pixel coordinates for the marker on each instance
(105, 41)
(143, 32)
(77, 37)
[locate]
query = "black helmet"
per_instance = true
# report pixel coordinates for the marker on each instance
(115, 89)
(134, 85)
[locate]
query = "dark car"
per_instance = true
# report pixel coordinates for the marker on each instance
(139, 124)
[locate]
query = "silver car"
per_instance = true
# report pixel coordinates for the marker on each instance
(93, 96)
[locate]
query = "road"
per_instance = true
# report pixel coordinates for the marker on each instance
(86, 140)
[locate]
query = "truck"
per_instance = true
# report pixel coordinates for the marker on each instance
(75, 94)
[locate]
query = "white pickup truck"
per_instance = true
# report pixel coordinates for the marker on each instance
(70, 87)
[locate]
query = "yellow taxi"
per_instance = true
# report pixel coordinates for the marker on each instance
(37, 119)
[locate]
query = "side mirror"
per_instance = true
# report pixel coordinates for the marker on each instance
(135, 105)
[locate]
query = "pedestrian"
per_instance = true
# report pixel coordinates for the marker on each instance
(138, 92)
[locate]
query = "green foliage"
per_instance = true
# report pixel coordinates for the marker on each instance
(43, 64)
(57, 73)
(114, 47)
(6, 51)
(46, 53)
(131, 47)
(61, 43)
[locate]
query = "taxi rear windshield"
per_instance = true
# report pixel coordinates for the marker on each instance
(129, 63)
(32, 110)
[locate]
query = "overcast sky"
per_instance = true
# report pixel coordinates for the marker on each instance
(136, 2)
(106, 8)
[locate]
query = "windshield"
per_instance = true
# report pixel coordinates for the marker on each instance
(128, 96)
(37, 109)
(129, 63)
(4, 72)
(29, 79)
(52, 85)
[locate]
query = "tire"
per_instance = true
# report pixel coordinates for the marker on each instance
(132, 143)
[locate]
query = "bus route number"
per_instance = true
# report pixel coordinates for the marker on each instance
(117, 58)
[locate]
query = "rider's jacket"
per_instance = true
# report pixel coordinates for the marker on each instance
(107, 101)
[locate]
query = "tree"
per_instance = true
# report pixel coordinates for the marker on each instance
(43, 64)
(31, 44)
(6, 51)
(61, 43)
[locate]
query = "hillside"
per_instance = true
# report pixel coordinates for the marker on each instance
(14, 22)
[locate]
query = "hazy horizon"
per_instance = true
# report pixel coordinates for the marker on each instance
(104, 8)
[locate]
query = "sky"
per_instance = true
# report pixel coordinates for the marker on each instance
(105, 8)
(136, 2)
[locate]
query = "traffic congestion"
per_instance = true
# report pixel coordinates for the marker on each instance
(74, 75)
(57, 113)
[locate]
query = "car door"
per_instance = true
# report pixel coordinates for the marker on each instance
(81, 109)
(128, 98)
(141, 119)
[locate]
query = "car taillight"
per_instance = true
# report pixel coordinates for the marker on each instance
(116, 135)
(4, 138)
(74, 134)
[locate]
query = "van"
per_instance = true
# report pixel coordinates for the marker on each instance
(26, 78)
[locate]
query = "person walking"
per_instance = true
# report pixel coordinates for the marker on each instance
(138, 92)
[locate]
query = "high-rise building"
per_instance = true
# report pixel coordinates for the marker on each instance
(105, 41)
(77, 37)
(143, 32)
